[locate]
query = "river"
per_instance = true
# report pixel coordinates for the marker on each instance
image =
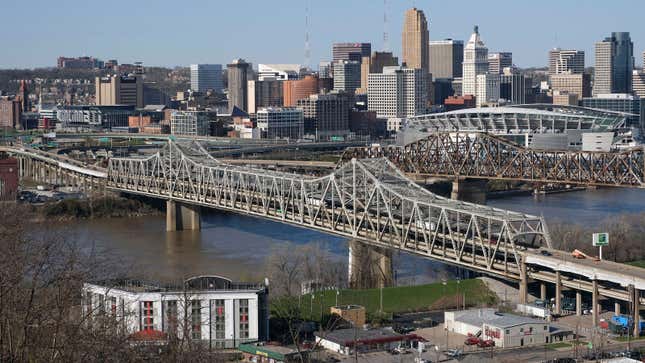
(236, 245)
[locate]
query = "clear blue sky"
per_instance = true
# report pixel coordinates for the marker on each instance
(169, 33)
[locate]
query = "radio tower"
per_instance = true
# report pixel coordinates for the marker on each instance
(386, 38)
(307, 47)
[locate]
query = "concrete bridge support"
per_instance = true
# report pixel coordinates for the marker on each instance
(180, 216)
(594, 303)
(578, 303)
(558, 293)
(634, 296)
(523, 290)
(369, 266)
(543, 291)
(469, 190)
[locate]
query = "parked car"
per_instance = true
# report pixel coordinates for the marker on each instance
(472, 341)
(486, 343)
(545, 253)
(454, 353)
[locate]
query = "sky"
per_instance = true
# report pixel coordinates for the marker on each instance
(178, 33)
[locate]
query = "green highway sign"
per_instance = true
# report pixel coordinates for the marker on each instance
(600, 239)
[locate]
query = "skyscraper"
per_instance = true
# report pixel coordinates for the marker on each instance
(446, 58)
(415, 40)
(397, 92)
(119, 90)
(237, 84)
(475, 63)
(498, 61)
(562, 61)
(205, 77)
(375, 64)
(614, 64)
(347, 76)
(350, 51)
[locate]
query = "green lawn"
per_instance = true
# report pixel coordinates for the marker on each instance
(639, 263)
(558, 345)
(397, 299)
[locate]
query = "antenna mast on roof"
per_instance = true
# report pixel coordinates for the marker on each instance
(307, 46)
(386, 37)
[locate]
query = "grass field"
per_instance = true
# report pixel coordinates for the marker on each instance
(639, 263)
(399, 299)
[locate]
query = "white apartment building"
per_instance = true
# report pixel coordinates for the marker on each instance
(281, 123)
(397, 92)
(211, 309)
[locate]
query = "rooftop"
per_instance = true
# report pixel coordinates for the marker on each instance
(477, 317)
(347, 337)
(194, 284)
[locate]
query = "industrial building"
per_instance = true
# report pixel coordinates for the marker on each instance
(506, 330)
(210, 309)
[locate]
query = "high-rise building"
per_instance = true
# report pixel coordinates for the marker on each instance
(415, 40)
(563, 61)
(295, 90)
(397, 92)
(119, 90)
(375, 64)
(325, 69)
(279, 71)
(205, 77)
(350, 51)
(620, 102)
(238, 75)
(514, 87)
(578, 83)
(614, 64)
(281, 123)
(79, 63)
(266, 93)
(498, 61)
(638, 83)
(194, 123)
(326, 116)
(10, 111)
(475, 63)
(347, 76)
(446, 58)
(487, 91)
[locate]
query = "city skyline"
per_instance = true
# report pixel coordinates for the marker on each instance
(193, 35)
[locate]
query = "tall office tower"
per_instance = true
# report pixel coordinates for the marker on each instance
(614, 64)
(475, 63)
(638, 83)
(325, 69)
(238, 75)
(347, 76)
(266, 93)
(414, 40)
(294, 90)
(375, 64)
(397, 92)
(487, 91)
(579, 83)
(205, 77)
(350, 51)
(326, 116)
(514, 87)
(498, 61)
(119, 90)
(563, 61)
(446, 58)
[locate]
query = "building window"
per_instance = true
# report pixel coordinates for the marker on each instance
(545, 327)
(148, 316)
(171, 317)
(521, 330)
(244, 318)
(101, 304)
(88, 303)
(113, 307)
(218, 323)
(196, 319)
(508, 331)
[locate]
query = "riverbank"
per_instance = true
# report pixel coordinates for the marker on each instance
(97, 207)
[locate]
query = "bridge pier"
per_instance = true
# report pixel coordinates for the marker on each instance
(469, 190)
(558, 293)
(523, 291)
(369, 266)
(543, 291)
(634, 297)
(594, 303)
(180, 216)
(578, 303)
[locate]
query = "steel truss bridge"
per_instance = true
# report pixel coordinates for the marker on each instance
(367, 200)
(486, 156)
